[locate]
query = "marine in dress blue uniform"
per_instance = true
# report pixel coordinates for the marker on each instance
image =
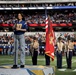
(69, 47)
(60, 46)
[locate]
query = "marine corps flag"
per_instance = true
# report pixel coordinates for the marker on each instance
(49, 50)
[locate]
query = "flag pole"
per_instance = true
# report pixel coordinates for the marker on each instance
(45, 12)
(47, 58)
(49, 48)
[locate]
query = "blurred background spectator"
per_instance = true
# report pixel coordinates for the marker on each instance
(7, 42)
(39, 18)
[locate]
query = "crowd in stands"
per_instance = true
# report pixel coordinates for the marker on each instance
(64, 18)
(13, 0)
(7, 19)
(37, 5)
(6, 44)
(39, 18)
(31, 19)
(7, 41)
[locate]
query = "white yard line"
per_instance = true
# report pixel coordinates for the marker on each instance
(74, 70)
(62, 69)
(27, 59)
(66, 69)
(72, 63)
(19, 59)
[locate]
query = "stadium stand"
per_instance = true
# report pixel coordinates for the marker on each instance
(37, 4)
(63, 15)
(38, 19)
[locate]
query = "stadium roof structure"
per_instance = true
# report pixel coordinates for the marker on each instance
(34, 1)
(34, 8)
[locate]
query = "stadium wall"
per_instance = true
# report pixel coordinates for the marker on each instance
(35, 1)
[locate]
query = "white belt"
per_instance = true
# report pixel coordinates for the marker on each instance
(70, 50)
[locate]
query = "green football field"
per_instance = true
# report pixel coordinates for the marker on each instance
(8, 60)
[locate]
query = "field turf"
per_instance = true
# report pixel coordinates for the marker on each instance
(8, 60)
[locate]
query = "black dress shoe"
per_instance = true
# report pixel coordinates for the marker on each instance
(14, 67)
(22, 66)
(59, 67)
